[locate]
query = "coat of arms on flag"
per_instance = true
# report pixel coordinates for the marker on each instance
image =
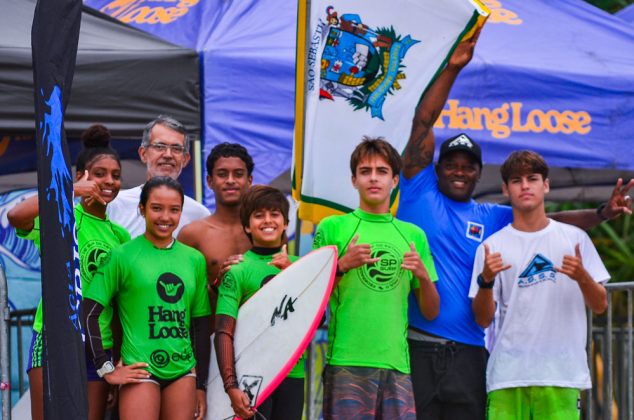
(360, 64)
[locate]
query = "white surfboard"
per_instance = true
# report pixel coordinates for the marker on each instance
(273, 329)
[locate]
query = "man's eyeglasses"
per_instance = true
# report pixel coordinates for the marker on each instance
(161, 148)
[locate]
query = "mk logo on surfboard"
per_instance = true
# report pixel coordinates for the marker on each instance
(282, 311)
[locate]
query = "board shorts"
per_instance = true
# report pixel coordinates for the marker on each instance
(164, 383)
(35, 352)
(35, 358)
(534, 402)
(361, 393)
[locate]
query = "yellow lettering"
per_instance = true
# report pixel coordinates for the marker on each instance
(584, 120)
(568, 119)
(464, 118)
(118, 7)
(135, 15)
(551, 121)
(517, 115)
(534, 120)
(498, 122)
(501, 15)
(134, 11)
(479, 114)
(502, 121)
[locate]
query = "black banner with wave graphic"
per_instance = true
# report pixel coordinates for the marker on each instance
(54, 41)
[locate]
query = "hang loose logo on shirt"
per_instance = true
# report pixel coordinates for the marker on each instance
(170, 287)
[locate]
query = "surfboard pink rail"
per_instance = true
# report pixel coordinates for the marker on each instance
(268, 390)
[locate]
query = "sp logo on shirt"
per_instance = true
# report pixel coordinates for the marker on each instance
(383, 275)
(170, 287)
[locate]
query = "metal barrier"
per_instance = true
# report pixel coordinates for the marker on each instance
(22, 322)
(610, 347)
(5, 368)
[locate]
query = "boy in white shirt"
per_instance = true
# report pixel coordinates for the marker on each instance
(541, 274)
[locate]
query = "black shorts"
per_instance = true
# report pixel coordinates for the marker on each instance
(449, 380)
(164, 383)
(286, 402)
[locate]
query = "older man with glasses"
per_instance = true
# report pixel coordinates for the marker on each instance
(165, 150)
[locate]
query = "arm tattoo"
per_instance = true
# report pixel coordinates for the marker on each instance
(414, 156)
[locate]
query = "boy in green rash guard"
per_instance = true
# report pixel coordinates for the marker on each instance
(380, 260)
(98, 182)
(159, 286)
(264, 216)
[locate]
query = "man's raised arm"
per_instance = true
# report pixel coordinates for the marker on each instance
(419, 152)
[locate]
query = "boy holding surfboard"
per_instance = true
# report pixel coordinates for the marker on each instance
(380, 260)
(264, 216)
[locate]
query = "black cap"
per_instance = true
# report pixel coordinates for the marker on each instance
(462, 143)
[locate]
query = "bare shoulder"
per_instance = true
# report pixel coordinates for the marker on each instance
(196, 232)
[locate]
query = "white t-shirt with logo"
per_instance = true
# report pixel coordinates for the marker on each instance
(124, 210)
(541, 333)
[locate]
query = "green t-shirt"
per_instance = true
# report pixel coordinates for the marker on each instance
(368, 306)
(95, 239)
(158, 291)
(242, 281)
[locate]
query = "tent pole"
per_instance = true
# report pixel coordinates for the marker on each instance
(198, 188)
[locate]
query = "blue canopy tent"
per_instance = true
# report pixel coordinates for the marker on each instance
(626, 14)
(556, 77)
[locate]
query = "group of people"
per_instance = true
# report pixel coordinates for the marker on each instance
(412, 295)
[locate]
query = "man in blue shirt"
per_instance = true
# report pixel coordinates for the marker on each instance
(448, 357)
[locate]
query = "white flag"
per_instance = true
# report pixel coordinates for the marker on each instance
(365, 66)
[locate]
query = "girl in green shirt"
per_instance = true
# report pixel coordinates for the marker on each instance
(159, 286)
(98, 182)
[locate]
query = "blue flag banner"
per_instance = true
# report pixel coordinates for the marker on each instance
(54, 40)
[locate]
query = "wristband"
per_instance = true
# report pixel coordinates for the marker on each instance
(483, 284)
(339, 271)
(106, 369)
(232, 384)
(600, 211)
(215, 284)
